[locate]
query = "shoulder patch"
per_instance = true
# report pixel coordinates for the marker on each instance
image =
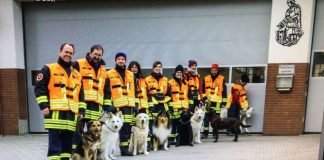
(39, 77)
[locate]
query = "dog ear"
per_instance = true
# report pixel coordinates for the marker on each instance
(196, 108)
(110, 115)
(203, 109)
(102, 122)
(89, 124)
(119, 114)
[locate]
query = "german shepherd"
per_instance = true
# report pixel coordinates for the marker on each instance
(90, 140)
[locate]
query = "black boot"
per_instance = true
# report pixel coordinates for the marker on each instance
(124, 152)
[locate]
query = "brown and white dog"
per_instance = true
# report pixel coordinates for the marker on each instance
(161, 130)
(90, 140)
(138, 139)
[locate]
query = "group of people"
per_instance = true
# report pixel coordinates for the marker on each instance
(67, 91)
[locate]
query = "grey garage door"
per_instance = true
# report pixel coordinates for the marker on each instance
(228, 33)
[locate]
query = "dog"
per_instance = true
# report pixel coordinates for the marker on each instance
(161, 130)
(244, 115)
(110, 135)
(218, 123)
(138, 139)
(184, 129)
(90, 140)
(196, 122)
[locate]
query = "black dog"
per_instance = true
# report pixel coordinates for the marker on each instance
(218, 123)
(184, 129)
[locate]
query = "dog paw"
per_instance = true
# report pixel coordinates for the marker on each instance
(234, 140)
(199, 142)
(111, 157)
(154, 150)
(191, 145)
(166, 148)
(215, 141)
(146, 153)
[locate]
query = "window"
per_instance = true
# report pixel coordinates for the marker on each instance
(256, 74)
(318, 64)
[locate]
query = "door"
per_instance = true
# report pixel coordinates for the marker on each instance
(315, 105)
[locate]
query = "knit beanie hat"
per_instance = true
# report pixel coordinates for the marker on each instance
(120, 54)
(214, 66)
(191, 63)
(178, 68)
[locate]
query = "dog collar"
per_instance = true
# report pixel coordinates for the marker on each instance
(112, 130)
(184, 122)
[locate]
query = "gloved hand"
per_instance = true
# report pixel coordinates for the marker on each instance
(159, 97)
(171, 110)
(151, 109)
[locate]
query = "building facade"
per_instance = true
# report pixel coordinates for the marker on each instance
(274, 42)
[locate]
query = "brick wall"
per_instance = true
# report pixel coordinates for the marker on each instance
(12, 100)
(284, 112)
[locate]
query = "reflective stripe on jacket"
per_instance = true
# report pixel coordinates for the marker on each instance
(122, 91)
(179, 95)
(214, 89)
(93, 84)
(63, 90)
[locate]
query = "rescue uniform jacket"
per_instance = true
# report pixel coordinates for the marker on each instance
(237, 96)
(121, 90)
(157, 89)
(179, 94)
(141, 91)
(194, 85)
(214, 88)
(94, 84)
(59, 88)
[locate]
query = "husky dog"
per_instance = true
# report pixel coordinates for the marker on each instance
(196, 122)
(110, 135)
(138, 139)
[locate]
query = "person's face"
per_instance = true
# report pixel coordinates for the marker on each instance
(178, 74)
(134, 69)
(120, 61)
(193, 67)
(96, 55)
(213, 71)
(67, 53)
(157, 68)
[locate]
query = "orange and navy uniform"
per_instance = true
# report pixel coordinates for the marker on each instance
(95, 89)
(59, 88)
(214, 89)
(238, 97)
(195, 89)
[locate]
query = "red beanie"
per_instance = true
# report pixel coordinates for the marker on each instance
(214, 66)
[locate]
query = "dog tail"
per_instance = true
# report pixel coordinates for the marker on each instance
(245, 126)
